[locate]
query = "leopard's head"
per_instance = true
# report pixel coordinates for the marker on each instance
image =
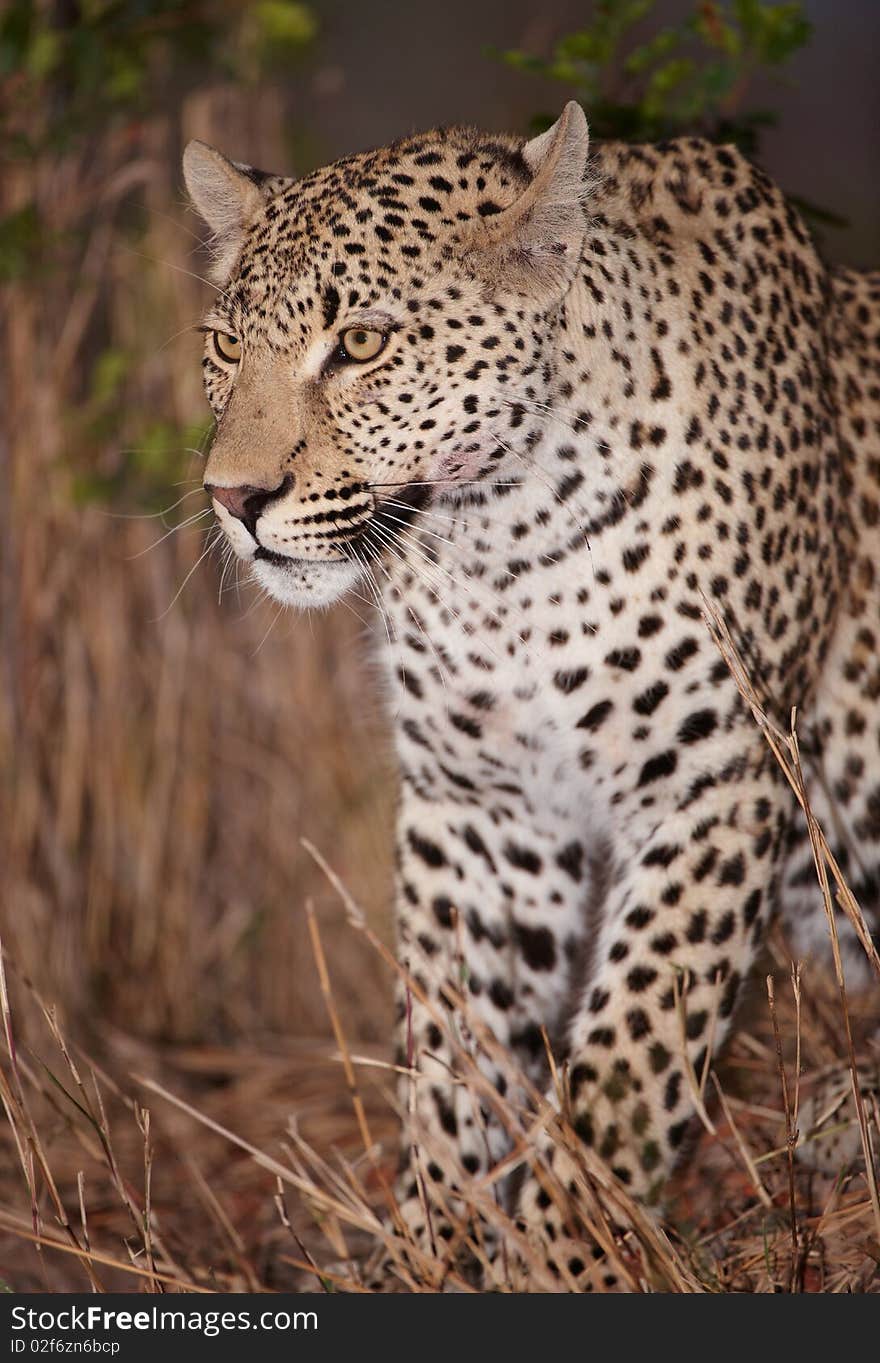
(380, 337)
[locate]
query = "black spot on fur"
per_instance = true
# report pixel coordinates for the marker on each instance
(330, 305)
(656, 768)
(426, 850)
(537, 946)
(698, 726)
(596, 716)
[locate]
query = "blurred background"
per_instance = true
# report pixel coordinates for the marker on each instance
(166, 740)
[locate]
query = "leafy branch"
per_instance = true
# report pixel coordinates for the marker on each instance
(691, 77)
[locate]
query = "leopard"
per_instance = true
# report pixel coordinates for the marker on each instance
(552, 409)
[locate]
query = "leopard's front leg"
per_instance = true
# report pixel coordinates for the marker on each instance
(679, 931)
(489, 908)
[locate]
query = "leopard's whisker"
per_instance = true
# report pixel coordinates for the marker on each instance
(441, 669)
(428, 565)
(536, 469)
(228, 557)
(152, 515)
(442, 666)
(399, 520)
(274, 621)
(345, 601)
(175, 529)
(450, 484)
(508, 605)
(457, 518)
(350, 551)
(169, 264)
(211, 545)
(536, 408)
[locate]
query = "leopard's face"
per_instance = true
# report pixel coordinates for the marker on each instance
(387, 392)
(374, 349)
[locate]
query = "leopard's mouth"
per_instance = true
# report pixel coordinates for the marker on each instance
(263, 555)
(304, 584)
(303, 580)
(366, 538)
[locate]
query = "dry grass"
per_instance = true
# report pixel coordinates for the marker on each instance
(161, 764)
(162, 750)
(204, 1168)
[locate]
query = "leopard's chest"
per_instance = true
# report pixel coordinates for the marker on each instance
(529, 683)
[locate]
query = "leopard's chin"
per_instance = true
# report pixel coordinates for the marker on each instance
(304, 584)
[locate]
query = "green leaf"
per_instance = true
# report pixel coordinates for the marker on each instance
(520, 61)
(718, 80)
(677, 78)
(124, 78)
(15, 36)
(108, 375)
(284, 24)
(565, 71)
(20, 235)
(750, 17)
(774, 32)
(670, 75)
(644, 56)
(584, 46)
(44, 53)
(710, 24)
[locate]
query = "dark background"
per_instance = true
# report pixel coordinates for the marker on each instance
(389, 68)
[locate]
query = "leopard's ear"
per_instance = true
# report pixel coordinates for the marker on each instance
(533, 245)
(228, 195)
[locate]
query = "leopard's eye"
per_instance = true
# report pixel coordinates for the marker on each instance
(227, 347)
(360, 343)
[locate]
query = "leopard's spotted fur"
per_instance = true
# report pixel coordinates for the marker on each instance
(611, 390)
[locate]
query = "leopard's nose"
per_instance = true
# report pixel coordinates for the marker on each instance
(247, 503)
